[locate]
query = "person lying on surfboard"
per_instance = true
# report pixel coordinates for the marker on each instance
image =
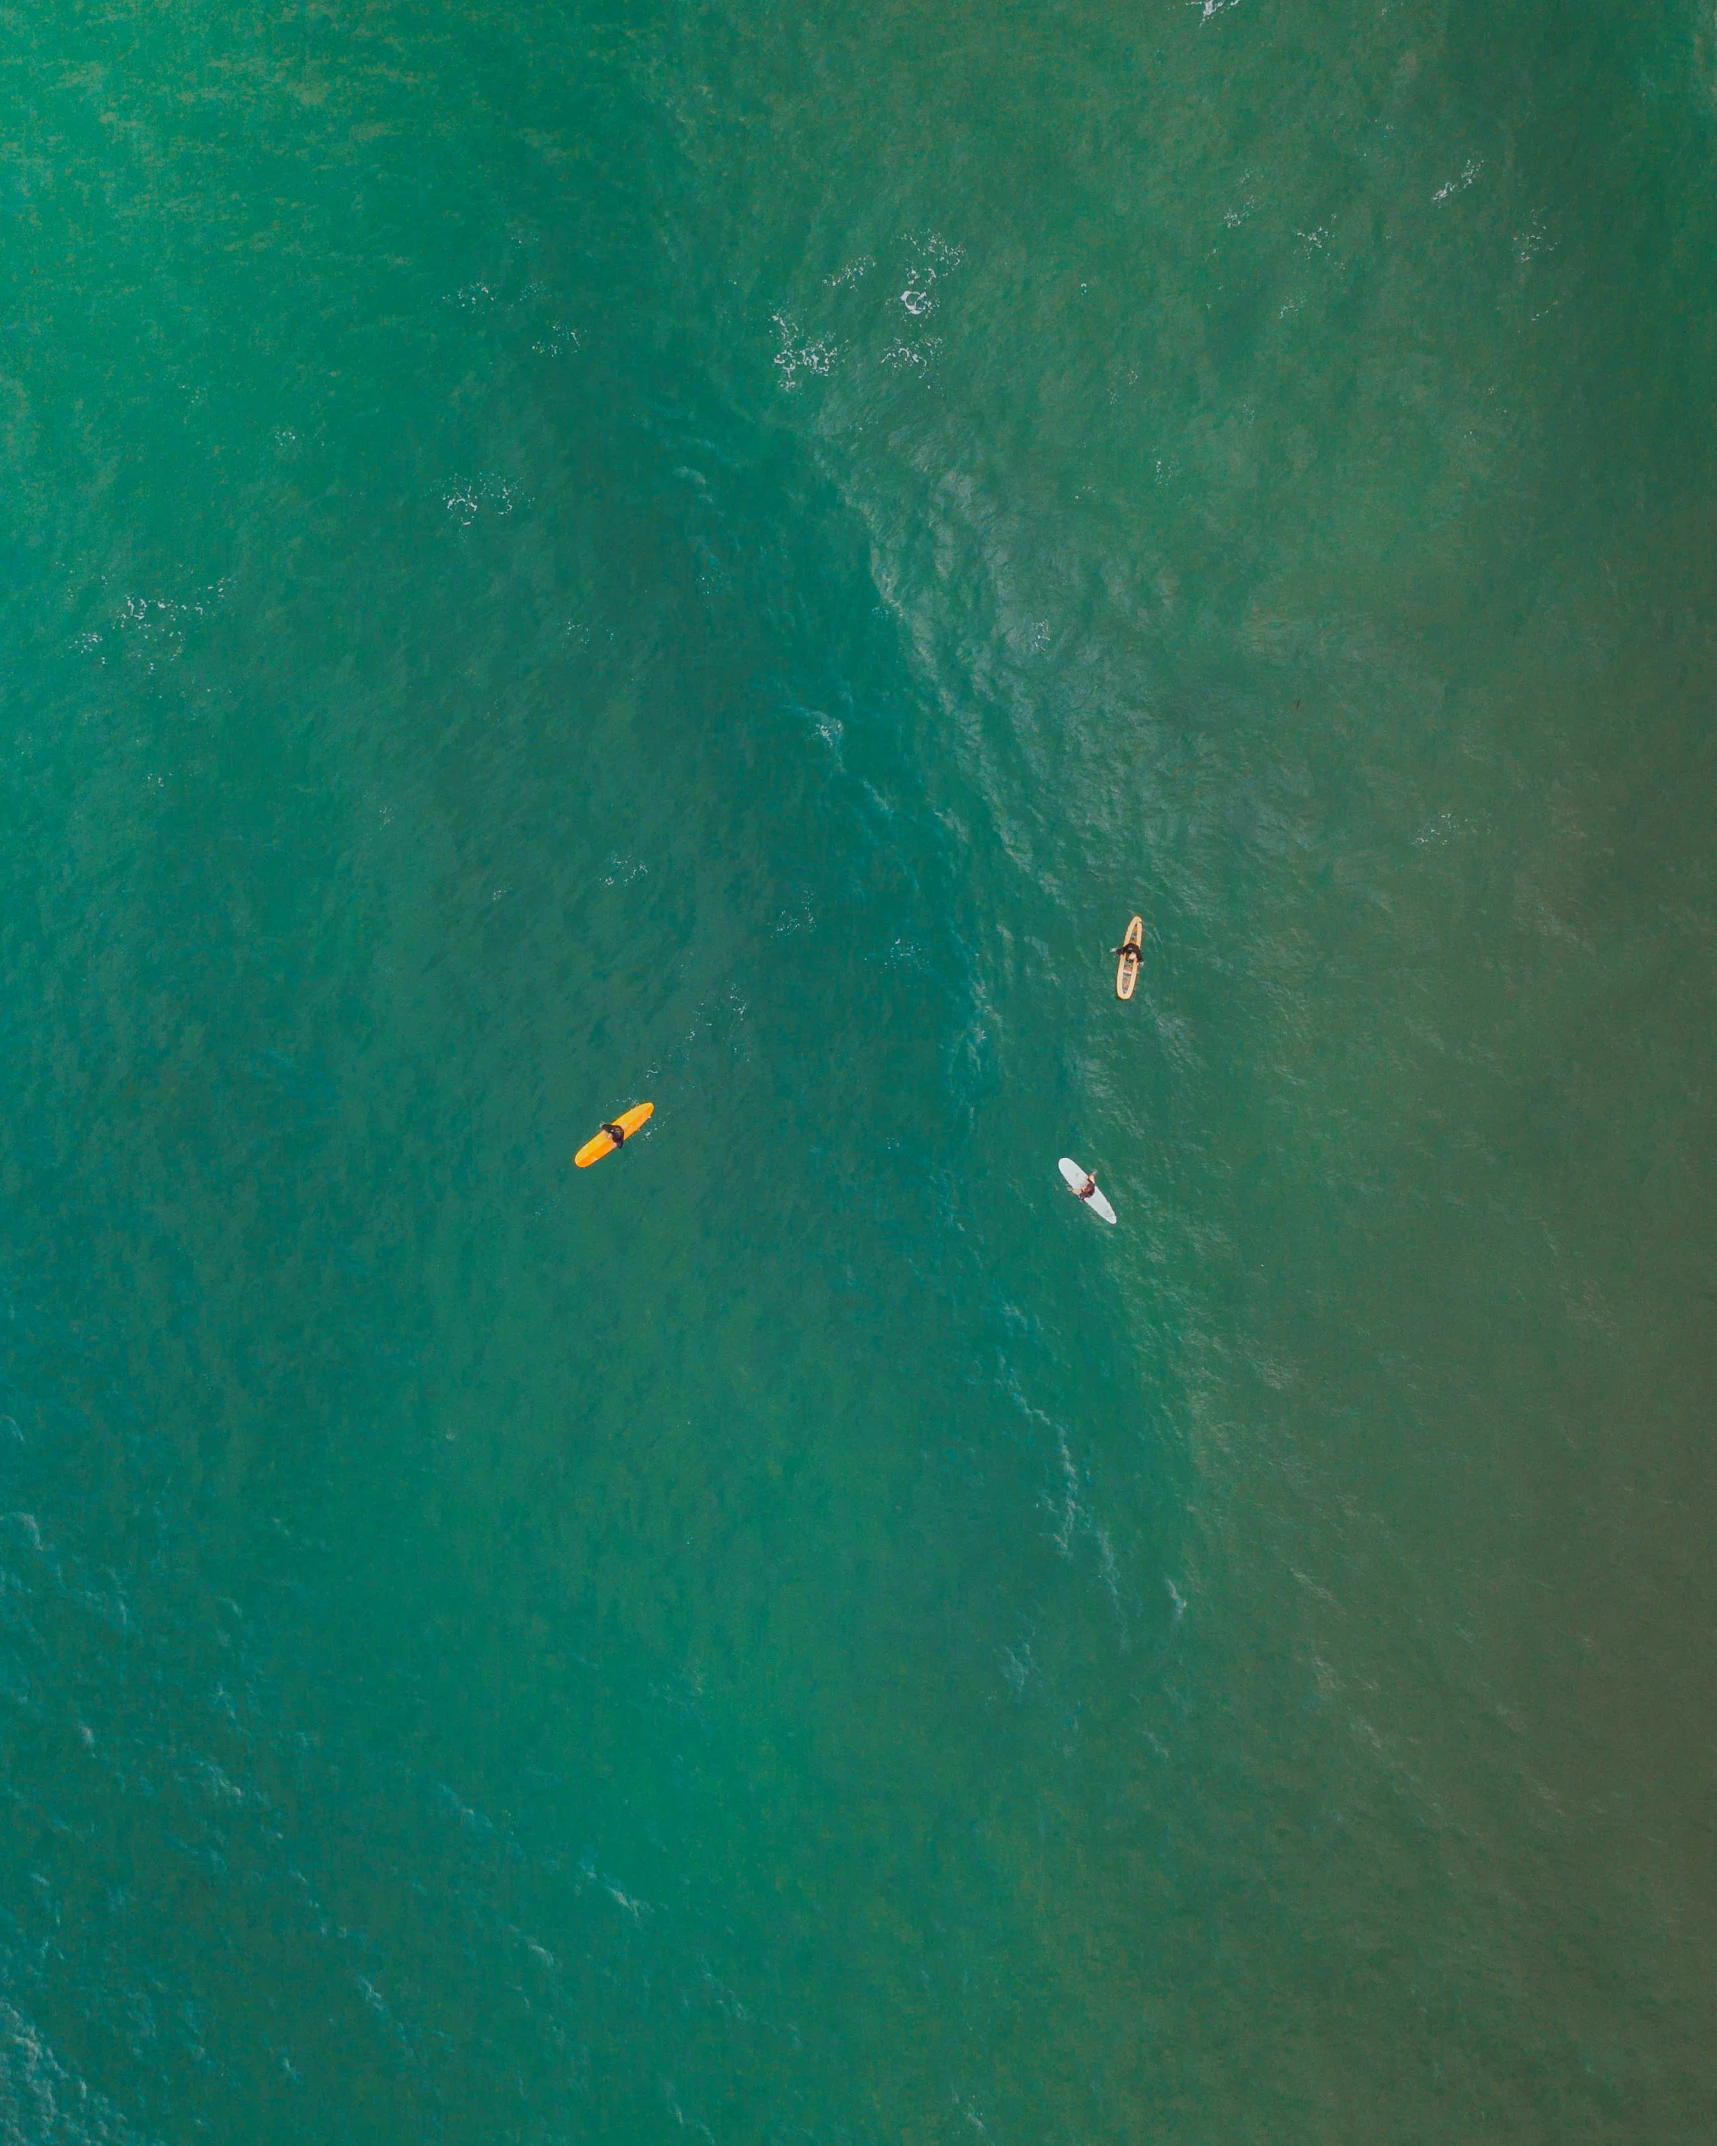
(1085, 1190)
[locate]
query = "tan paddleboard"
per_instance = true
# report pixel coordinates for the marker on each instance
(1127, 969)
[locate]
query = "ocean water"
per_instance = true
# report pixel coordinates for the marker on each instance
(561, 554)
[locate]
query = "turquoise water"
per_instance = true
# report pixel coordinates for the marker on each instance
(555, 556)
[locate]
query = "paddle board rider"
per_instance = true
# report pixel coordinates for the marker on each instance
(1085, 1190)
(613, 1134)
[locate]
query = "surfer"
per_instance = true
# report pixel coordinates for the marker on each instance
(1083, 1185)
(613, 1135)
(1131, 953)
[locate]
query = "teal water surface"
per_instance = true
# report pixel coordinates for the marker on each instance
(561, 554)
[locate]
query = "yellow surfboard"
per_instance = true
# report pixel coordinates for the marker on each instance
(612, 1135)
(1127, 969)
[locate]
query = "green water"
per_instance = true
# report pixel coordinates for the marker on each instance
(554, 556)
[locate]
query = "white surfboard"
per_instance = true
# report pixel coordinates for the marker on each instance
(1075, 1180)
